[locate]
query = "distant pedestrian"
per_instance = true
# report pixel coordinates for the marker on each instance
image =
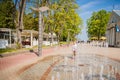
(74, 49)
(106, 44)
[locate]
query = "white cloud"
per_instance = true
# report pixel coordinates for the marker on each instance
(85, 13)
(117, 6)
(88, 5)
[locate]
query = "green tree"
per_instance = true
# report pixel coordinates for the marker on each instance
(59, 19)
(97, 23)
(30, 23)
(63, 18)
(6, 14)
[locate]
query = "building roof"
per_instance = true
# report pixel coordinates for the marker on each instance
(28, 33)
(117, 12)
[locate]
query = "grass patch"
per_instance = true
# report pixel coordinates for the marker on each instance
(6, 50)
(63, 43)
(9, 50)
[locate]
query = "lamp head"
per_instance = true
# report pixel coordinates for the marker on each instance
(41, 9)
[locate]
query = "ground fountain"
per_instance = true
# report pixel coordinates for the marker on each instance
(86, 67)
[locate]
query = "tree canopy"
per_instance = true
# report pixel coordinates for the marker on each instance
(6, 14)
(97, 23)
(60, 19)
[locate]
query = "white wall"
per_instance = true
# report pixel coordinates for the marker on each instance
(3, 43)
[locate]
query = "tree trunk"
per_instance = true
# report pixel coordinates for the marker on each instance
(20, 26)
(98, 34)
(21, 13)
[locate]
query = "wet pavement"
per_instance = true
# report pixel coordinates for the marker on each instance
(29, 66)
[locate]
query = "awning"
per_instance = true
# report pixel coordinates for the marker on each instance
(94, 38)
(103, 38)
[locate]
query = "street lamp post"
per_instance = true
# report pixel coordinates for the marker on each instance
(40, 33)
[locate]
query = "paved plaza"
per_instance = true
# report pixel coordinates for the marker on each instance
(58, 63)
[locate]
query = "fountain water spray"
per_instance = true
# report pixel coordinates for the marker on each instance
(101, 72)
(82, 76)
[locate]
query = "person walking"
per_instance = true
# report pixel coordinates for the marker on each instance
(74, 49)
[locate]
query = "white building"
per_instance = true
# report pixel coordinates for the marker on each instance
(8, 38)
(113, 29)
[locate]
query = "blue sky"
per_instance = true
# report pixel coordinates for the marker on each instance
(87, 7)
